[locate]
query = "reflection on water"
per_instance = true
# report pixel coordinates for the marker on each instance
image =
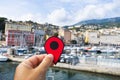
(7, 72)
(65, 74)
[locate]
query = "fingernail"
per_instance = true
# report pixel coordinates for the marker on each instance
(51, 56)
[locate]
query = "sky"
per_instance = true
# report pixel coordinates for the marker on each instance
(59, 12)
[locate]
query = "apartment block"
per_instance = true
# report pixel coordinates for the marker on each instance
(17, 26)
(19, 38)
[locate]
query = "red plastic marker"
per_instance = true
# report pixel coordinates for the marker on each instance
(54, 46)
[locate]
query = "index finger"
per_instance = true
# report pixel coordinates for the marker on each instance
(34, 61)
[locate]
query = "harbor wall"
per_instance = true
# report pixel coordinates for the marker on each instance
(100, 61)
(99, 67)
(91, 68)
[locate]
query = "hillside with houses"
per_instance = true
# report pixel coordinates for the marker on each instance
(33, 33)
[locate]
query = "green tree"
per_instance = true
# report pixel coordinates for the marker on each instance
(2, 24)
(73, 42)
(56, 34)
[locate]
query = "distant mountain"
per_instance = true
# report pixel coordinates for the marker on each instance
(103, 22)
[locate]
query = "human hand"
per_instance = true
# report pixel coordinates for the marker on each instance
(34, 68)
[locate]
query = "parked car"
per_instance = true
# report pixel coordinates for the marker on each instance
(70, 59)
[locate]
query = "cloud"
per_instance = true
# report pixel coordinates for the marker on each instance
(37, 17)
(91, 1)
(59, 12)
(83, 10)
(93, 10)
(67, 1)
(59, 16)
(89, 12)
(98, 11)
(76, 1)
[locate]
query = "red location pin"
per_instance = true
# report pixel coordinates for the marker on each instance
(54, 46)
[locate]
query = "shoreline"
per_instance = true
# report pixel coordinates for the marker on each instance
(81, 67)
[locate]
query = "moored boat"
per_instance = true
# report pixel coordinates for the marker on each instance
(3, 58)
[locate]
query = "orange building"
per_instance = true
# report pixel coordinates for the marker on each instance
(67, 36)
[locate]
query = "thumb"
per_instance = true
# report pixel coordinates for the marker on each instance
(45, 64)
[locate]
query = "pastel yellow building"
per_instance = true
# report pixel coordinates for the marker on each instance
(86, 37)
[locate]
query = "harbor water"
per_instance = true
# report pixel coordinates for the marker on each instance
(7, 70)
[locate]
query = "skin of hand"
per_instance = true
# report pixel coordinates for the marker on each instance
(34, 68)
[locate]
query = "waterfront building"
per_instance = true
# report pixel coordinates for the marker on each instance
(104, 37)
(69, 35)
(19, 38)
(93, 37)
(39, 37)
(86, 38)
(66, 34)
(61, 32)
(50, 29)
(22, 26)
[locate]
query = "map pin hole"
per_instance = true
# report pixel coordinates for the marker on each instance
(54, 45)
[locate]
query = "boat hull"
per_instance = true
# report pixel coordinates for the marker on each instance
(3, 59)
